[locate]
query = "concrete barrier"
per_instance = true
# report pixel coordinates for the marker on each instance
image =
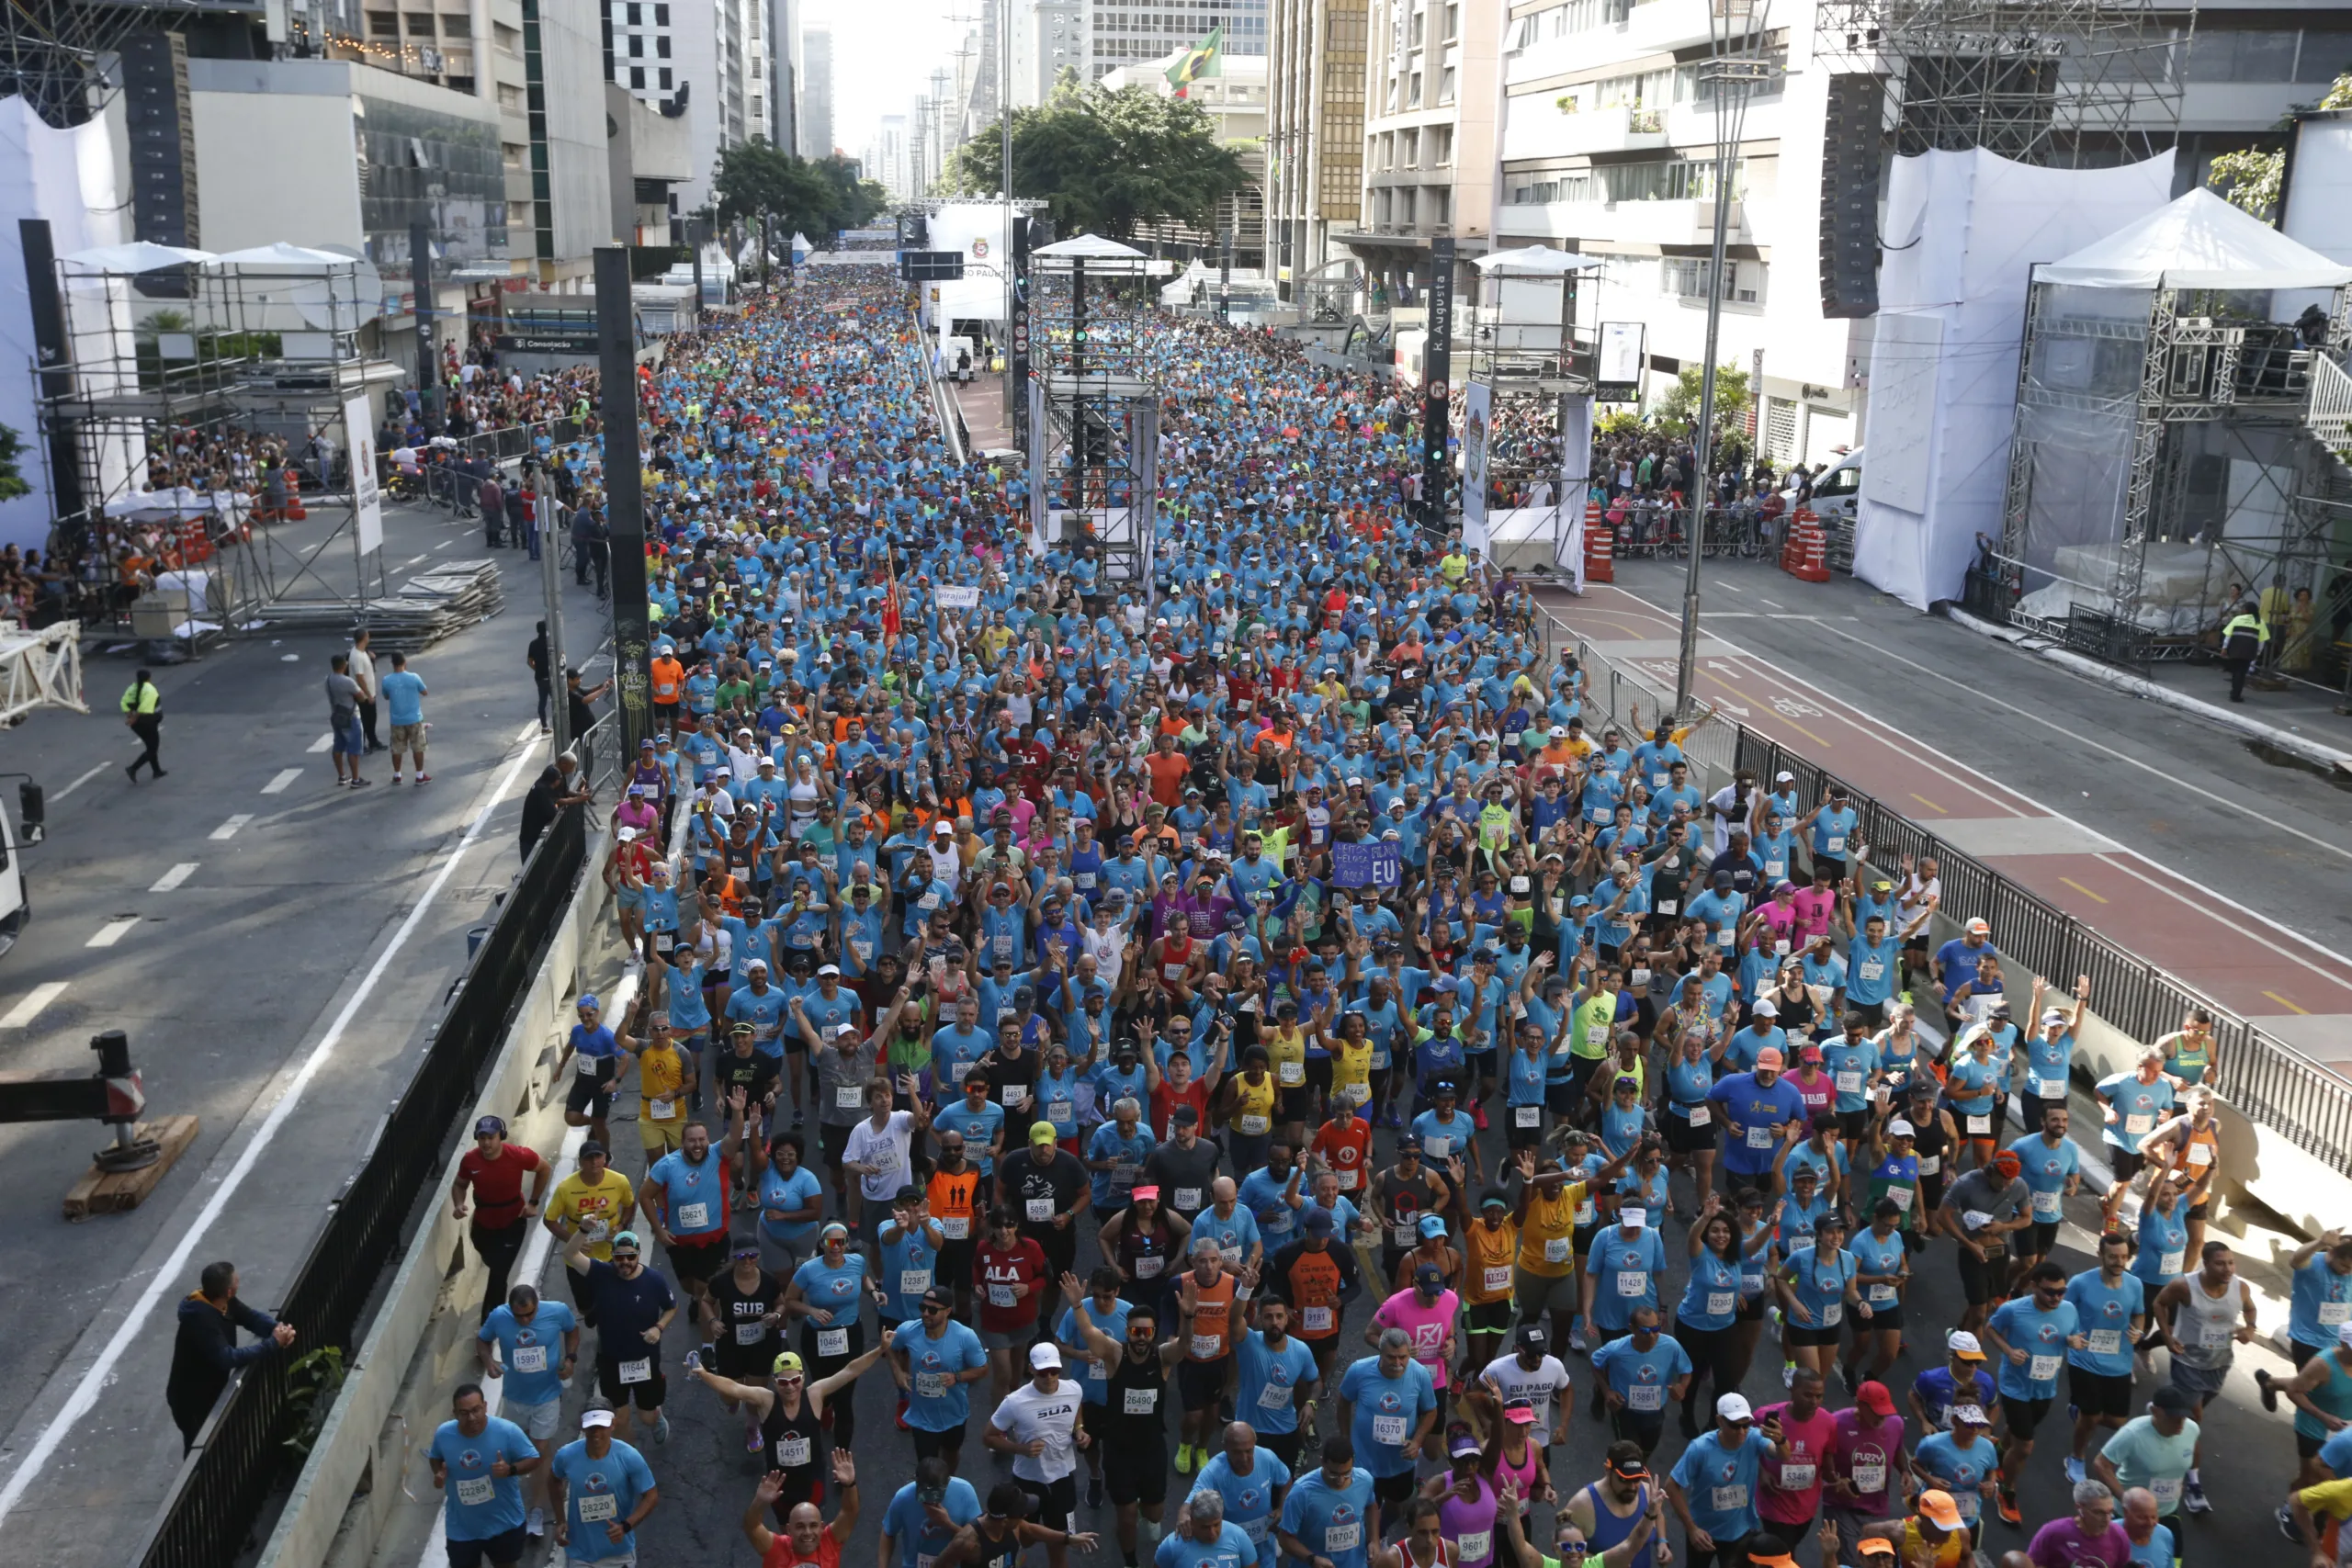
(350, 1486)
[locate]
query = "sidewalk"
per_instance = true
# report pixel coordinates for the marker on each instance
(2243, 960)
(983, 406)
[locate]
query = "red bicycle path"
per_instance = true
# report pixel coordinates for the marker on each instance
(2226, 953)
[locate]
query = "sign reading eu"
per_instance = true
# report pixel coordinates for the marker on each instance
(1377, 865)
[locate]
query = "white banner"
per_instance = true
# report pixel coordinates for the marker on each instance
(957, 598)
(367, 498)
(1477, 415)
(1039, 434)
(1575, 485)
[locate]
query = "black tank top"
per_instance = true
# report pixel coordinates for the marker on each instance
(1137, 1398)
(1144, 1253)
(741, 1312)
(796, 1443)
(997, 1552)
(1927, 1134)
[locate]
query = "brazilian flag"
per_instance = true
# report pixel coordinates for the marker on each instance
(1205, 58)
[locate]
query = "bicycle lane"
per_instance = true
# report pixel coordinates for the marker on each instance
(2227, 953)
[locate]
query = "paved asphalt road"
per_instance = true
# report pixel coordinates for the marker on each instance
(707, 1480)
(2138, 773)
(243, 946)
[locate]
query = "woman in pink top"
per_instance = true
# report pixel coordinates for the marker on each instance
(1465, 1503)
(1426, 1313)
(1512, 1457)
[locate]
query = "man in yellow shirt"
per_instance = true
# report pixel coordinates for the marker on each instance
(665, 1076)
(596, 1199)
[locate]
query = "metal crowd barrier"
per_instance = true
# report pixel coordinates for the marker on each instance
(223, 1500)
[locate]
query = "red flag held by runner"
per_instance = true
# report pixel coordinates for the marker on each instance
(892, 614)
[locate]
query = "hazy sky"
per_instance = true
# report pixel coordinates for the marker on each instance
(884, 52)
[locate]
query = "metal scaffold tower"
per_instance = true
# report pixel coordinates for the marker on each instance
(2062, 82)
(52, 53)
(1094, 413)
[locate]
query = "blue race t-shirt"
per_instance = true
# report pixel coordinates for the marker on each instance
(908, 1523)
(1330, 1521)
(1720, 1483)
(1386, 1411)
(476, 1504)
(939, 1400)
(404, 699)
(531, 1352)
(599, 1492)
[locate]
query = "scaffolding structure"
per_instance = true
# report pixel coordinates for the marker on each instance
(171, 380)
(2066, 83)
(1095, 410)
(2177, 452)
(53, 52)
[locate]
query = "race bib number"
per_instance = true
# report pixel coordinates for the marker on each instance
(1188, 1199)
(2333, 1314)
(1142, 1401)
(2212, 1336)
(1207, 1346)
(1931, 1164)
(1256, 1126)
(2044, 1088)
(751, 1333)
(932, 1385)
(1555, 1249)
(1870, 1477)
(1017, 1095)
(1273, 1396)
(1720, 1302)
(1670, 906)
(2044, 1368)
(1343, 1538)
(2138, 1124)
(792, 1450)
(1759, 1138)
(1967, 1502)
(2048, 1206)
(638, 1370)
(475, 1490)
(1979, 1126)
(1797, 1477)
(913, 1282)
(597, 1507)
(1902, 1196)
(2167, 1494)
(955, 1227)
(1097, 1372)
(1881, 1296)
(1318, 1320)
(1148, 1268)
(1348, 1178)
(1437, 1145)
(1873, 969)
(1474, 1546)
(2105, 1341)
(1001, 1296)
(1061, 1112)
(1406, 1234)
(2170, 1262)
(693, 1217)
(2199, 1154)
(1633, 1283)
(1850, 1082)
(1702, 1115)
(1388, 1430)
(1256, 1529)
(1727, 1499)
(534, 1357)
(1039, 1210)
(662, 1108)
(1290, 1074)
(1646, 1396)
(1834, 845)
(1832, 1313)
(848, 1097)
(1496, 1276)
(832, 1342)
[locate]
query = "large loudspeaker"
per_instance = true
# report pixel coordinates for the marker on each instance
(1853, 148)
(161, 124)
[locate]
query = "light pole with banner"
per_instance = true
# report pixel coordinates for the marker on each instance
(1436, 376)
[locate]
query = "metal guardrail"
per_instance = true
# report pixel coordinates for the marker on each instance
(221, 1503)
(2270, 1082)
(442, 484)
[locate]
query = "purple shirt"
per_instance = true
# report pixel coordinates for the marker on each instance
(1861, 1449)
(2060, 1543)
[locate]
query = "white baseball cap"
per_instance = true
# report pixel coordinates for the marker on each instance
(1734, 1407)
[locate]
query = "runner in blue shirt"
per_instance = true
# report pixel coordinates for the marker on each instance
(1251, 1480)
(2111, 1304)
(594, 1068)
(2132, 1103)
(1712, 1486)
(478, 1461)
(2050, 1052)
(2052, 1169)
(937, 1360)
(1962, 1462)
(925, 1514)
(1638, 1372)
(2030, 1336)
(1387, 1402)
(603, 1490)
(1326, 1519)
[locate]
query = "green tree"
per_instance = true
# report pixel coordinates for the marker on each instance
(1107, 161)
(12, 478)
(1678, 412)
(757, 179)
(2253, 178)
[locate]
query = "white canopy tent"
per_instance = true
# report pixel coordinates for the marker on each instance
(1534, 261)
(139, 255)
(1086, 248)
(284, 287)
(2197, 242)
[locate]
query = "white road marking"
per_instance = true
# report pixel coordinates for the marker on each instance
(1761, 599)
(414, 560)
(39, 997)
(112, 932)
(446, 545)
(229, 830)
(323, 744)
(77, 783)
(172, 1276)
(277, 785)
(175, 877)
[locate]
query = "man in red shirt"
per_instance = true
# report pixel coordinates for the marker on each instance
(1009, 1271)
(806, 1540)
(1344, 1144)
(493, 1171)
(1169, 769)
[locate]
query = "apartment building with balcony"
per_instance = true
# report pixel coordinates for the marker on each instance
(1315, 102)
(1433, 110)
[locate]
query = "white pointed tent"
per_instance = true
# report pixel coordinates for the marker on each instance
(1534, 261)
(2197, 242)
(284, 287)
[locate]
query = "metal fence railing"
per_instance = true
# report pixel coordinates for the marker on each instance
(222, 1500)
(445, 485)
(2270, 1082)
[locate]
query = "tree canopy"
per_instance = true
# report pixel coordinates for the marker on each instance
(822, 196)
(1105, 161)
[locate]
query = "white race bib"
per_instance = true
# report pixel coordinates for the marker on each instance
(1633, 1283)
(1142, 1401)
(1979, 1126)
(2044, 1368)
(2105, 1341)
(750, 1333)
(586, 1065)
(1555, 1249)
(1475, 1546)
(474, 1491)
(832, 1342)
(1318, 1320)
(932, 1385)
(693, 1217)
(1759, 1137)
(1526, 1115)
(1702, 1115)
(1646, 1396)
(2201, 1153)
(1437, 1145)
(1039, 1210)
(1388, 1431)
(2170, 1263)
(1207, 1346)
(1850, 1082)
(792, 1450)
(2043, 1088)
(1275, 1396)
(1001, 1296)
(662, 1108)
(1290, 1074)
(1148, 1268)
(1343, 1538)
(1496, 1276)
(1832, 1313)
(1720, 1302)
(1017, 1095)
(1931, 1164)
(1728, 1499)
(1256, 1126)
(2167, 1494)
(2138, 1124)
(1188, 1199)
(1061, 1112)
(848, 1097)
(1797, 1477)
(913, 1282)
(2048, 1206)
(1834, 845)
(638, 1370)
(596, 1507)
(1870, 1477)
(1881, 1296)
(2332, 1313)
(534, 1357)
(1406, 1234)
(955, 1227)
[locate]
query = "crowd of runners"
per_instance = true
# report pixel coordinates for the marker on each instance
(1257, 1067)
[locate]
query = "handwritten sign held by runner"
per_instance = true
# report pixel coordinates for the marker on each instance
(957, 598)
(1367, 865)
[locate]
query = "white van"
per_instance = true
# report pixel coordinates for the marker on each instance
(1837, 493)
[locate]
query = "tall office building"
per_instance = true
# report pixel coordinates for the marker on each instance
(885, 158)
(786, 66)
(1122, 33)
(1314, 81)
(815, 92)
(691, 60)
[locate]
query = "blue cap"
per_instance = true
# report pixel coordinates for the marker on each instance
(1432, 1225)
(588, 999)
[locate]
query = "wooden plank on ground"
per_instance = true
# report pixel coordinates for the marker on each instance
(114, 1193)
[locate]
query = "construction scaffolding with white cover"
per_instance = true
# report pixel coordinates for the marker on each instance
(184, 378)
(1094, 413)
